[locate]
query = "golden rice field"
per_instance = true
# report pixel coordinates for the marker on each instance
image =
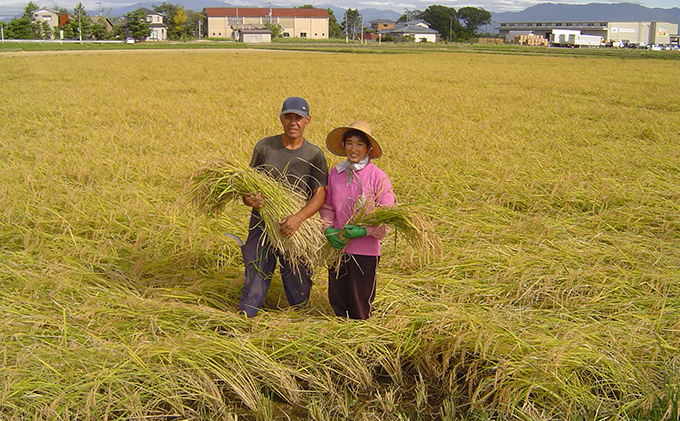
(555, 186)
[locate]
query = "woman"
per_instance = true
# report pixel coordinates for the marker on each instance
(354, 184)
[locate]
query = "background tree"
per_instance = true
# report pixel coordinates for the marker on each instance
(99, 30)
(179, 21)
(45, 30)
(23, 27)
(444, 20)
(193, 25)
(137, 26)
(352, 25)
(168, 11)
(410, 15)
(473, 18)
(277, 30)
(334, 30)
(79, 24)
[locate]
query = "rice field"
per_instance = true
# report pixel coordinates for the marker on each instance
(554, 186)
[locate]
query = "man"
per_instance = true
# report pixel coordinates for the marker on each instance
(304, 165)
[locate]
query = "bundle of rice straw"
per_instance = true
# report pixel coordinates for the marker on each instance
(415, 228)
(215, 185)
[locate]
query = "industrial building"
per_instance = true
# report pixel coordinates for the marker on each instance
(228, 22)
(636, 33)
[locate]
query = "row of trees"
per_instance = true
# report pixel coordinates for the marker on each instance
(452, 25)
(80, 25)
(183, 24)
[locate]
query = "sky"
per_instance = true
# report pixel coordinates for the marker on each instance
(15, 7)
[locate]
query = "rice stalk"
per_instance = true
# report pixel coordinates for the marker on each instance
(416, 228)
(222, 182)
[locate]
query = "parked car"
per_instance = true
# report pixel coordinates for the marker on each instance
(129, 40)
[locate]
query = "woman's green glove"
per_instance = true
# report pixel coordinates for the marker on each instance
(352, 231)
(332, 236)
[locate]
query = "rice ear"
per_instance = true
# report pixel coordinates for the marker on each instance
(214, 186)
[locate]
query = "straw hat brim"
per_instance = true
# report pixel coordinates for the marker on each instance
(334, 141)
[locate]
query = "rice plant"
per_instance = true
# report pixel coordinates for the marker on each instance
(215, 185)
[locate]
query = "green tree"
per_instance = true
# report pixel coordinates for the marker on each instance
(45, 30)
(23, 27)
(99, 30)
(137, 26)
(79, 24)
(410, 15)
(352, 26)
(277, 30)
(444, 20)
(168, 11)
(473, 18)
(334, 30)
(179, 21)
(193, 25)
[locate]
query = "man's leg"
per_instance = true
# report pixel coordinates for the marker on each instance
(259, 264)
(297, 283)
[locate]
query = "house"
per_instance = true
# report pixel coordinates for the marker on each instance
(255, 35)
(46, 15)
(382, 24)
(228, 22)
(105, 22)
(101, 20)
(159, 30)
(419, 30)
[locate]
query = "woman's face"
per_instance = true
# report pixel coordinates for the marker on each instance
(355, 149)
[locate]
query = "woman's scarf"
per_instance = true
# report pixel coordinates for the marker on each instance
(352, 168)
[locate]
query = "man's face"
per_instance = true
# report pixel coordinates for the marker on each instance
(294, 125)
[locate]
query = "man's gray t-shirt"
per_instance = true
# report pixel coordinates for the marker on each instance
(304, 167)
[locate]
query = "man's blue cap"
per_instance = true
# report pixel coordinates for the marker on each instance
(296, 105)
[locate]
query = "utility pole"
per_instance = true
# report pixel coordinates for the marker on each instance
(346, 29)
(362, 29)
(100, 7)
(450, 29)
(270, 12)
(80, 27)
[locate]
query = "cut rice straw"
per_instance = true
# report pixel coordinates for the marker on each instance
(416, 228)
(222, 182)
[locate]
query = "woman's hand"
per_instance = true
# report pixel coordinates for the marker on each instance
(332, 236)
(353, 231)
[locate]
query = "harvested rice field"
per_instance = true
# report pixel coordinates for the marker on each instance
(553, 183)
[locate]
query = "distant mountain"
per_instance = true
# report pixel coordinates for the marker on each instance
(195, 5)
(368, 14)
(198, 5)
(617, 12)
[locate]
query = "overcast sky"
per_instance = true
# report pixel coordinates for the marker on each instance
(15, 7)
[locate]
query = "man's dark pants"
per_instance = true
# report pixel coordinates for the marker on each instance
(260, 261)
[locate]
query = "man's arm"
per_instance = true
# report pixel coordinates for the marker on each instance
(291, 223)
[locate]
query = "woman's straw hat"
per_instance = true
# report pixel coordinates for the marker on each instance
(334, 139)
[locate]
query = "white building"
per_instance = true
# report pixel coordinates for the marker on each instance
(621, 32)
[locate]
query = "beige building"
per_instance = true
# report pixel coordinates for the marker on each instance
(228, 22)
(643, 33)
(158, 29)
(46, 15)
